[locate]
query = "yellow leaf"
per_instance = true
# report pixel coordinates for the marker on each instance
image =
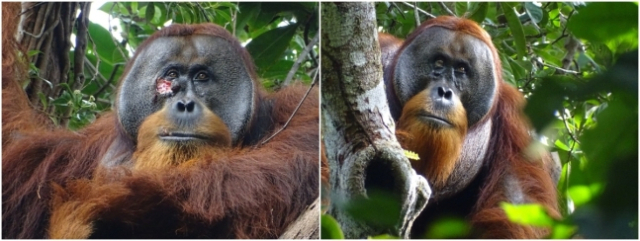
(411, 155)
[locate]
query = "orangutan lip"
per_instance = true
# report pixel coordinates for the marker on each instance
(434, 119)
(180, 136)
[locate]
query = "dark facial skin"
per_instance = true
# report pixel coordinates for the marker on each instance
(451, 65)
(197, 68)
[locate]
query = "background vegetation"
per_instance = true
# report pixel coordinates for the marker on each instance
(275, 34)
(577, 64)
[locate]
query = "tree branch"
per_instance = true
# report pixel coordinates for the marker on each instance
(429, 15)
(301, 57)
(446, 9)
(292, 114)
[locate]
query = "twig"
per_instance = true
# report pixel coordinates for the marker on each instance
(98, 60)
(234, 14)
(446, 9)
(429, 15)
(31, 8)
(204, 13)
(415, 13)
(398, 9)
(559, 38)
(295, 111)
(301, 57)
(42, 31)
(565, 71)
(96, 74)
(124, 56)
(575, 140)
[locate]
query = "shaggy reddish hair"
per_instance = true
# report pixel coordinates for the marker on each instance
(53, 185)
(505, 156)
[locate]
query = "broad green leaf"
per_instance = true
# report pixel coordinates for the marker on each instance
(602, 21)
(583, 194)
(516, 29)
(380, 210)
(134, 7)
(561, 145)
(105, 45)
(534, 12)
(544, 101)
(480, 12)
(461, 8)
(150, 12)
(448, 228)
(278, 70)
(527, 214)
(269, 46)
(563, 231)
(329, 228)
(247, 14)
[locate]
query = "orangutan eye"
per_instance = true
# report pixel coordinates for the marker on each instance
(172, 74)
(202, 76)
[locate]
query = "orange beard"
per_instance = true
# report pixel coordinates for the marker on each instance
(152, 152)
(437, 146)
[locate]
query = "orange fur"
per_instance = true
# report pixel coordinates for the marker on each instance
(507, 174)
(508, 158)
(54, 186)
(438, 148)
(152, 152)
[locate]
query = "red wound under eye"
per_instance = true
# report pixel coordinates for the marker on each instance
(163, 86)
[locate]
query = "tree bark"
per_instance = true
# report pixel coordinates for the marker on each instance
(47, 28)
(358, 130)
(307, 226)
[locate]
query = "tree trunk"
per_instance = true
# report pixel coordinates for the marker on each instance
(46, 27)
(358, 131)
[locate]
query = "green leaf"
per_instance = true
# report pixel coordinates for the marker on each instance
(380, 210)
(448, 228)
(527, 214)
(105, 45)
(330, 229)
(384, 236)
(247, 14)
(150, 12)
(603, 21)
(43, 99)
(534, 12)
(582, 194)
(619, 122)
(563, 231)
(269, 46)
(545, 19)
(518, 71)
(480, 12)
(561, 145)
(461, 8)
(516, 28)
(546, 99)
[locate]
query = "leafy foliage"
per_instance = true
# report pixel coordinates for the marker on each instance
(577, 64)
